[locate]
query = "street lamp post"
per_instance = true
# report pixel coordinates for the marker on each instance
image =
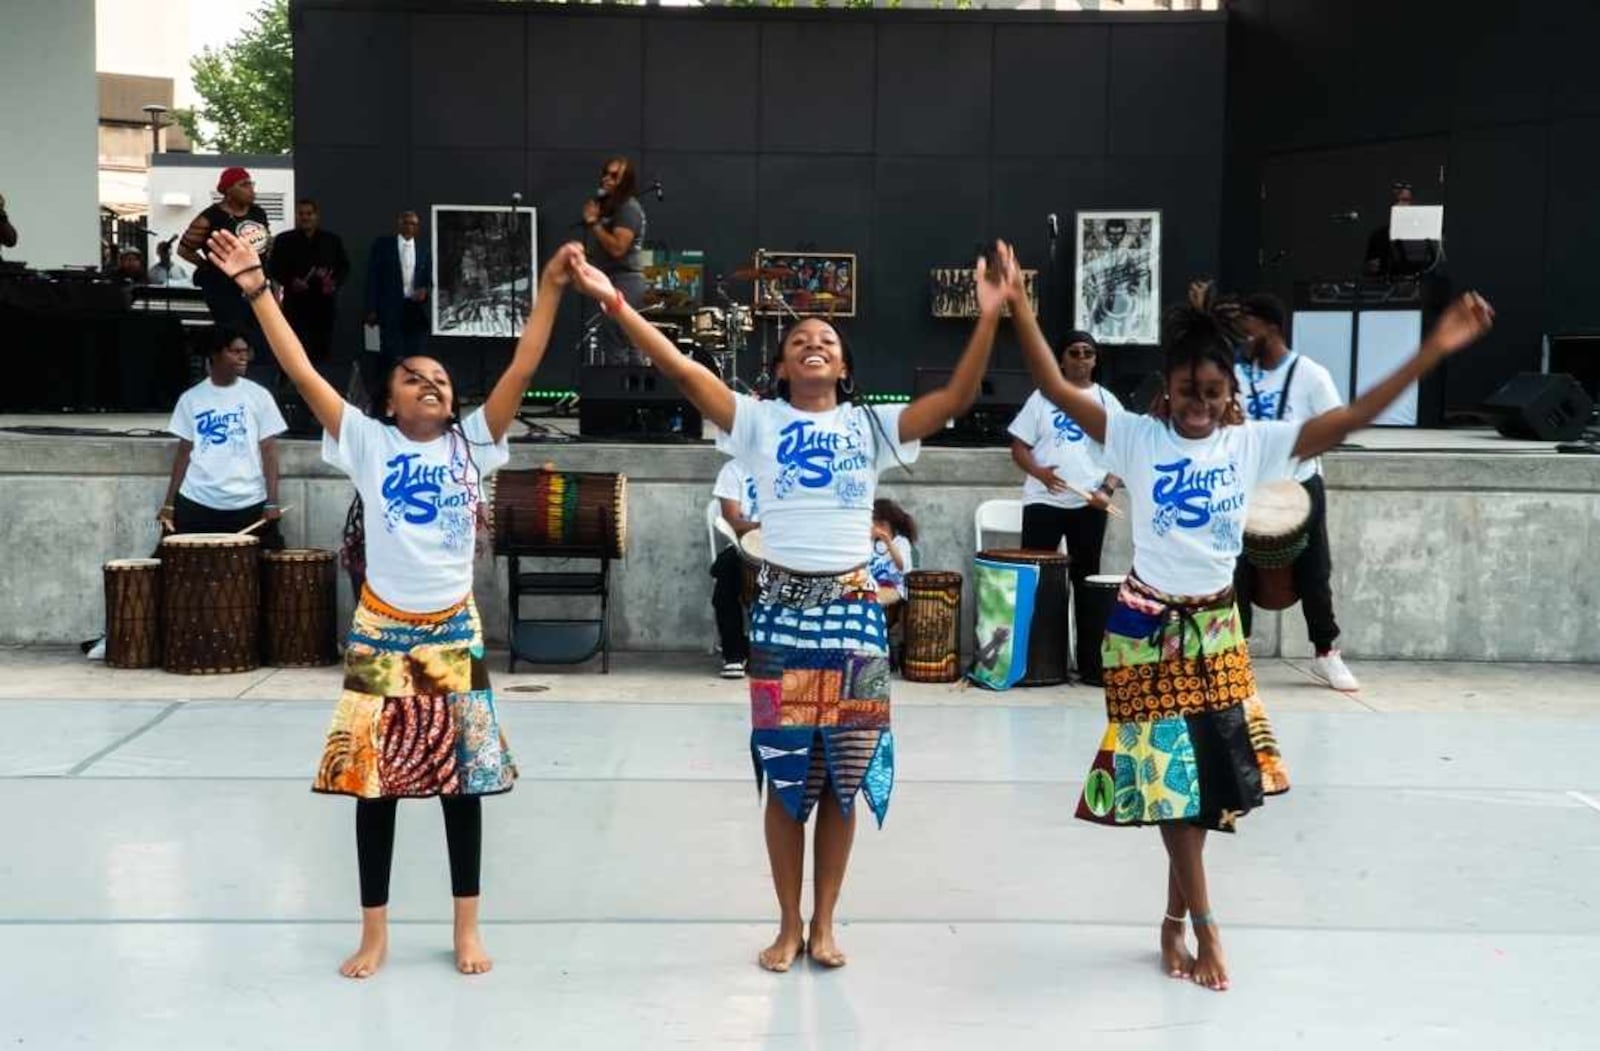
(154, 112)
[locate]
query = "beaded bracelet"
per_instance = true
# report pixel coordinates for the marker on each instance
(257, 292)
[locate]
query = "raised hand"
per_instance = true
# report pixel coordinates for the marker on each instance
(1462, 324)
(590, 280)
(558, 271)
(993, 289)
(231, 255)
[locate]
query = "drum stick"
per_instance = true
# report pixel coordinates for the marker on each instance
(258, 523)
(1111, 509)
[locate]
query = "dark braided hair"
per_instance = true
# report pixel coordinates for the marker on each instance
(845, 390)
(1204, 328)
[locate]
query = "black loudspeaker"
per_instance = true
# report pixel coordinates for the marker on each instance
(296, 414)
(1541, 407)
(634, 402)
(1000, 397)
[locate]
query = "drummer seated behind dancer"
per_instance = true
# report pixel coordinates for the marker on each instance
(1275, 383)
(225, 470)
(1068, 487)
(735, 489)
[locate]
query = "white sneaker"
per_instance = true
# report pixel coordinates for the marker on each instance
(733, 669)
(97, 652)
(1330, 668)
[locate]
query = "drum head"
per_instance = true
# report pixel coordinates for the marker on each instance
(210, 540)
(1105, 580)
(133, 563)
(1276, 509)
(750, 546)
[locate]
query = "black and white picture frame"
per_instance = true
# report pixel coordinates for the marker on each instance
(1117, 276)
(484, 279)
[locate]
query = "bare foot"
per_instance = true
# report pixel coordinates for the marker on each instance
(374, 945)
(780, 955)
(823, 949)
(470, 957)
(1176, 959)
(1211, 967)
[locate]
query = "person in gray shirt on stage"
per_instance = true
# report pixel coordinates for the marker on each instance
(614, 225)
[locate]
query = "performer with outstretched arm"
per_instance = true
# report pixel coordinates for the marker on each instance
(417, 716)
(819, 667)
(1189, 747)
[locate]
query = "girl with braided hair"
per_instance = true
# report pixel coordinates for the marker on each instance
(416, 717)
(1189, 747)
(819, 658)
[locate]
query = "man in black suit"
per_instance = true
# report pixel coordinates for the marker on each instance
(310, 265)
(399, 271)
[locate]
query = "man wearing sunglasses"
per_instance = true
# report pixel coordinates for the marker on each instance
(1067, 489)
(614, 226)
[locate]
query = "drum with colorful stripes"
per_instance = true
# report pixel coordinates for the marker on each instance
(544, 510)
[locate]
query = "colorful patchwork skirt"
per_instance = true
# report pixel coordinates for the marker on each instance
(416, 716)
(1188, 738)
(819, 690)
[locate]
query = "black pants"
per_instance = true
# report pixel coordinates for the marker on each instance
(1084, 528)
(312, 319)
(1312, 573)
(190, 517)
(463, 837)
(727, 574)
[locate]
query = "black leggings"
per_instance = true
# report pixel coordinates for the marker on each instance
(463, 836)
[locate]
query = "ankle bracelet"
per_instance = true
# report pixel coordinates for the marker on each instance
(1170, 918)
(1201, 919)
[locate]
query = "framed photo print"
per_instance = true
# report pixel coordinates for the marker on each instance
(1117, 276)
(953, 291)
(484, 279)
(811, 284)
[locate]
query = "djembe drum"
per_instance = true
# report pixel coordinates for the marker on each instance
(298, 614)
(932, 626)
(211, 591)
(546, 509)
(133, 612)
(1048, 637)
(750, 560)
(1093, 601)
(1275, 534)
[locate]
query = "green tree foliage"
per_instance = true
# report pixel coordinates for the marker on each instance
(246, 88)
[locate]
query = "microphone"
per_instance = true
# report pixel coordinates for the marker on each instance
(516, 199)
(660, 193)
(1344, 217)
(1054, 225)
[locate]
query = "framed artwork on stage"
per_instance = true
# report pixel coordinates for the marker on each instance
(1117, 276)
(814, 284)
(953, 291)
(484, 276)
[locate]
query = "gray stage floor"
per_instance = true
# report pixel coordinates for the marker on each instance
(169, 882)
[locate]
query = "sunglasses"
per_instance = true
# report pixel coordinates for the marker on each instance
(611, 173)
(1080, 354)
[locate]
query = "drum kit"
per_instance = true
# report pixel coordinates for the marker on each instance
(719, 334)
(213, 604)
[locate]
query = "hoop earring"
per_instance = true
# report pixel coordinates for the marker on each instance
(847, 386)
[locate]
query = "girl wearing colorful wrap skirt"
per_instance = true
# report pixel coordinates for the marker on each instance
(417, 715)
(1188, 746)
(819, 669)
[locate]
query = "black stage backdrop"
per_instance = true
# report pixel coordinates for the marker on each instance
(1491, 109)
(905, 137)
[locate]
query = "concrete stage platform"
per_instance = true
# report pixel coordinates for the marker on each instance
(1447, 545)
(170, 882)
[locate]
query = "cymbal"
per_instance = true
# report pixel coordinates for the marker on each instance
(764, 273)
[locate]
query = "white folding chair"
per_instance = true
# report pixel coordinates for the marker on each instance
(719, 534)
(994, 518)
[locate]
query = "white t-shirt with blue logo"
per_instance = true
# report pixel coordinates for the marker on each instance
(816, 477)
(735, 483)
(1057, 441)
(1189, 496)
(226, 426)
(1312, 392)
(420, 503)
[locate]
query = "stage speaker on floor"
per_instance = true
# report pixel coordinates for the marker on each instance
(1000, 397)
(633, 402)
(1541, 407)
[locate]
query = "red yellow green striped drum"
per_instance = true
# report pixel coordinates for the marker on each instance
(545, 510)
